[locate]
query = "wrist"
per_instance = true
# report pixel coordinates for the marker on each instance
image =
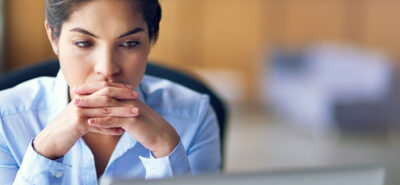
(40, 146)
(49, 144)
(167, 148)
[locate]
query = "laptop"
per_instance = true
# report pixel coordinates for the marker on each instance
(327, 176)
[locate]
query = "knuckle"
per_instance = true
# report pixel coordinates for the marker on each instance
(107, 100)
(107, 91)
(82, 101)
(110, 121)
(128, 110)
(106, 110)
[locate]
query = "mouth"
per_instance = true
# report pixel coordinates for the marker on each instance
(105, 79)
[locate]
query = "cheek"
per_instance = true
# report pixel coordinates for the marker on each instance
(74, 65)
(133, 66)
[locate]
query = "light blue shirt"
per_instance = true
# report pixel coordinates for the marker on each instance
(27, 108)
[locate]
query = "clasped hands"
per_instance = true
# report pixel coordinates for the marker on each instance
(107, 108)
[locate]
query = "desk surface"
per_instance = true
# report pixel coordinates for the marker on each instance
(258, 142)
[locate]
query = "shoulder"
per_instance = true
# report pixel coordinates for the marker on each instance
(27, 96)
(168, 97)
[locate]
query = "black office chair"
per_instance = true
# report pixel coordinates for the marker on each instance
(51, 67)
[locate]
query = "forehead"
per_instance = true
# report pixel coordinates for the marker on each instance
(106, 15)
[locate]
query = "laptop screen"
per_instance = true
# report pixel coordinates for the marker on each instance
(342, 176)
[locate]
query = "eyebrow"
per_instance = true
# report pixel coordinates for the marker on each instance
(83, 31)
(136, 30)
(80, 30)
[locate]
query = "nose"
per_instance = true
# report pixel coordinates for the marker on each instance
(107, 64)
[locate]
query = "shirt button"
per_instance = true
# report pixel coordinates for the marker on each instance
(58, 174)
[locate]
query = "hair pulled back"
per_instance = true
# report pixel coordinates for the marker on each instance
(58, 11)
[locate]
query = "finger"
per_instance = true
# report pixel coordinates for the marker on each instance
(90, 88)
(109, 122)
(118, 93)
(123, 112)
(107, 131)
(96, 101)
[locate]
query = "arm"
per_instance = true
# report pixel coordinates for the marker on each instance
(168, 156)
(205, 152)
(42, 162)
(148, 128)
(8, 165)
(34, 168)
(202, 156)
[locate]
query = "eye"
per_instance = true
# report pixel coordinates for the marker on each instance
(130, 44)
(83, 44)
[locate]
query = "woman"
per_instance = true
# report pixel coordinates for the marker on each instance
(101, 117)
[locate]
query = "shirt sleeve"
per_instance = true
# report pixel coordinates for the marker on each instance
(202, 156)
(8, 166)
(174, 164)
(204, 152)
(34, 169)
(37, 169)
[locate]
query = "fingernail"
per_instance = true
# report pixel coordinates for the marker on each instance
(135, 110)
(92, 121)
(77, 101)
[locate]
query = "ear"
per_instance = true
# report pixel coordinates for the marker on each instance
(54, 43)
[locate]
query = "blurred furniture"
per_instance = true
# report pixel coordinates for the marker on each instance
(328, 86)
(51, 67)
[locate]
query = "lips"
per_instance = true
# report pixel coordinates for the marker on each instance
(100, 78)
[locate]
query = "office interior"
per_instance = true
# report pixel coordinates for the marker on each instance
(308, 83)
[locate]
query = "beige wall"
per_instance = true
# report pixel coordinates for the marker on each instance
(25, 38)
(230, 34)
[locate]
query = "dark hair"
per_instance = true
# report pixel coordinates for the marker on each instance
(58, 11)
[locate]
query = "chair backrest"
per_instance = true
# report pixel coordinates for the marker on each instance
(51, 67)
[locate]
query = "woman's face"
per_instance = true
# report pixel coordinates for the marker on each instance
(103, 41)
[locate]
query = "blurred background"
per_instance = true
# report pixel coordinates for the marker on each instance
(309, 83)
